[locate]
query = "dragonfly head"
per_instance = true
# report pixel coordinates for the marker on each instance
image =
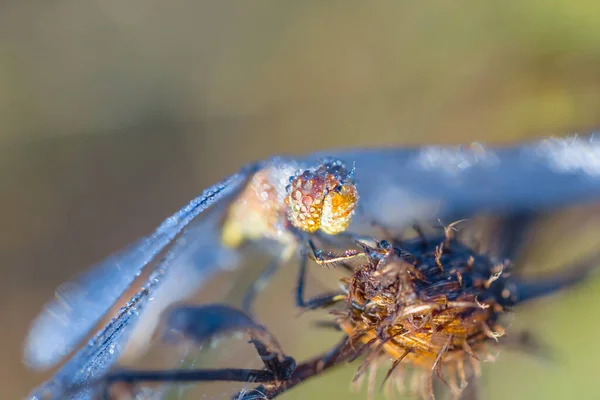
(324, 198)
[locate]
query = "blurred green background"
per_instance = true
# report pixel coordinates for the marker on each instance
(114, 113)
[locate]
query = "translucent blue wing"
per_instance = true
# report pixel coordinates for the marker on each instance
(81, 303)
(194, 257)
(95, 359)
(400, 185)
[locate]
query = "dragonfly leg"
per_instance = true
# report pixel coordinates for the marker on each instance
(327, 325)
(319, 301)
(200, 323)
(325, 258)
(268, 273)
(517, 290)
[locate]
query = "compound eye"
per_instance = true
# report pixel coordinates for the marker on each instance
(305, 202)
(338, 209)
(321, 200)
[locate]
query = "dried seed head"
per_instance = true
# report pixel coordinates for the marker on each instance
(435, 319)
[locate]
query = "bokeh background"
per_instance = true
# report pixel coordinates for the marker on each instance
(114, 113)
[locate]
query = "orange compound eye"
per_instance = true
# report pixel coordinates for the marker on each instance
(305, 202)
(322, 199)
(338, 209)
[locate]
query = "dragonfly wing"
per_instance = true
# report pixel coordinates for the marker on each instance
(194, 257)
(400, 185)
(95, 359)
(80, 303)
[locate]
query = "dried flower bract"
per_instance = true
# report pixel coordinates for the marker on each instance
(431, 309)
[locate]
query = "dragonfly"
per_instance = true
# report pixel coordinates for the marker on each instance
(396, 187)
